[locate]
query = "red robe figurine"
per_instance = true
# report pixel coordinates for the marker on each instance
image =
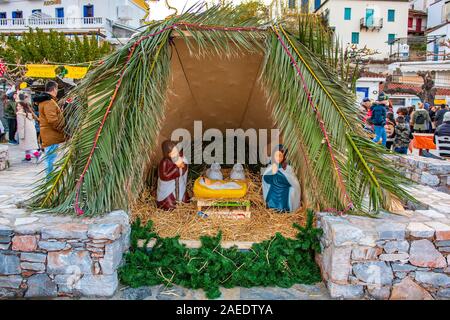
(172, 178)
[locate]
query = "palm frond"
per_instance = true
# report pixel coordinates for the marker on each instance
(131, 85)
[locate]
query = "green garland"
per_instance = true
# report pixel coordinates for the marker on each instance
(278, 262)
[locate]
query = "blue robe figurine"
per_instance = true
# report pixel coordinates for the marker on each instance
(281, 188)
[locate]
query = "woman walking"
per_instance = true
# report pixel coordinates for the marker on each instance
(26, 128)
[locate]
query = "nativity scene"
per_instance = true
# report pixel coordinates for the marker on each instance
(205, 66)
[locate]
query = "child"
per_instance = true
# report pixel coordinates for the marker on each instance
(26, 128)
(402, 137)
(390, 130)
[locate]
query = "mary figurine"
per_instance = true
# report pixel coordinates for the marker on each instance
(281, 188)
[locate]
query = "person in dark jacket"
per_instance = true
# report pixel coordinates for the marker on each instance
(402, 137)
(10, 116)
(444, 129)
(439, 117)
(378, 118)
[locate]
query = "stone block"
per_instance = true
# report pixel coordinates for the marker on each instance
(443, 293)
(65, 231)
(360, 253)
(431, 214)
(407, 289)
(442, 230)
(401, 267)
(39, 267)
(424, 254)
(444, 249)
(136, 293)
(59, 262)
(419, 230)
(391, 257)
(341, 232)
(9, 263)
(401, 246)
(12, 282)
(445, 243)
(433, 279)
(113, 257)
(345, 291)
(99, 285)
(391, 231)
(429, 179)
(5, 239)
(374, 272)
(110, 231)
(40, 285)
(379, 292)
(52, 245)
(33, 257)
(24, 243)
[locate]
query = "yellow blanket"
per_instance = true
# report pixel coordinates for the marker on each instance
(202, 191)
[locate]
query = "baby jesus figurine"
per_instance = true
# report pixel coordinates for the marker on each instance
(219, 185)
(172, 178)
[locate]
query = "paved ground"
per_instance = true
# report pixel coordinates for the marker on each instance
(15, 186)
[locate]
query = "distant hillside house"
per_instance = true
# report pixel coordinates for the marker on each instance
(112, 20)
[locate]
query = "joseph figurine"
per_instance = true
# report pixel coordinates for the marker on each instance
(172, 177)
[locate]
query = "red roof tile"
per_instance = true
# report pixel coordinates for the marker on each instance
(417, 88)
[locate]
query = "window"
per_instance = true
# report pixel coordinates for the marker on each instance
(88, 11)
(316, 4)
(59, 12)
(347, 13)
(391, 15)
(410, 22)
(36, 11)
(17, 14)
(291, 4)
(3, 19)
(391, 38)
(355, 37)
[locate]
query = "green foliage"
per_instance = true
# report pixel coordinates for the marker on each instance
(37, 46)
(251, 9)
(276, 262)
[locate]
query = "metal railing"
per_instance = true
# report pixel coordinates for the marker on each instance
(51, 22)
(414, 28)
(371, 23)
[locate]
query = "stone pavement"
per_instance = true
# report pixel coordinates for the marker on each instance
(16, 181)
(15, 186)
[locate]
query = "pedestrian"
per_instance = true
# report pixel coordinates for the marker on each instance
(402, 137)
(10, 116)
(378, 118)
(51, 123)
(26, 127)
(411, 110)
(390, 130)
(404, 112)
(420, 119)
(364, 109)
(438, 119)
(443, 131)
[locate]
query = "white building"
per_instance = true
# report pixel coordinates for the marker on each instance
(367, 23)
(159, 10)
(111, 19)
(438, 29)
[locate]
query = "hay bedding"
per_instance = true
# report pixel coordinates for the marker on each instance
(185, 222)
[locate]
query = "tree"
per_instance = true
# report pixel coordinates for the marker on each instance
(427, 94)
(37, 46)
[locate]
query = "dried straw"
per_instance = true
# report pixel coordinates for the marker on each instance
(185, 222)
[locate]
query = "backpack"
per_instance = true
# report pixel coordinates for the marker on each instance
(420, 118)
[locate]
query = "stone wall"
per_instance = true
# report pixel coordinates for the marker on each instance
(426, 171)
(393, 257)
(4, 157)
(45, 255)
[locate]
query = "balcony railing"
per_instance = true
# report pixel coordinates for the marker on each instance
(371, 23)
(45, 23)
(415, 28)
